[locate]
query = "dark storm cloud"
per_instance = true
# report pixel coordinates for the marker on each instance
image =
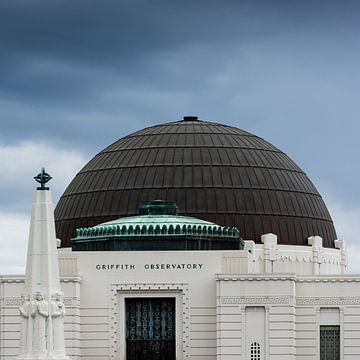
(118, 30)
(70, 50)
(52, 51)
(84, 73)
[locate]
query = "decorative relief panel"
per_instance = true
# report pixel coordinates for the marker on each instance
(72, 302)
(328, 301)
(133, 289)
(255, 300)
(15, 301)
(12, 301)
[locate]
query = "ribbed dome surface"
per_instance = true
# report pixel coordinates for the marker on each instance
(211, 171)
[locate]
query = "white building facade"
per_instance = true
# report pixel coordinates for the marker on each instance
(284, 295)
(268, 301)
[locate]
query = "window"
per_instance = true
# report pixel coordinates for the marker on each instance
(255, 333)
(255, 351)
(329, 342)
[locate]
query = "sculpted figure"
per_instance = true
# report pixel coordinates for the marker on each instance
(40, 313)
(57, 313)
(24, 312)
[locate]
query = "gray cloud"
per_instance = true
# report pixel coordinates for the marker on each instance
(81, 74)
(58, 51)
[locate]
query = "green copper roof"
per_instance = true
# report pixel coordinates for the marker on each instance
(157, 225)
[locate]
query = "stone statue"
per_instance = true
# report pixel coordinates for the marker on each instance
(57, 313)
(40, 313)
(24, 312)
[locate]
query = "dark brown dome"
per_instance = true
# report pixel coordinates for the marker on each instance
(211, 171)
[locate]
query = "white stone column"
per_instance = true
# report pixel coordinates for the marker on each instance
(249, 247)
(42, 283)
(270, 251)
(341, 245)
(317, 253)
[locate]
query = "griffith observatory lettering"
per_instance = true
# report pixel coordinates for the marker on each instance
(153, 266)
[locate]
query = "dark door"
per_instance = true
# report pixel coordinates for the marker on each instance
(150, 328)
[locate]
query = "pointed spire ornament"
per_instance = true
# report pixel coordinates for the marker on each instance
(42, 309)
(42, 178)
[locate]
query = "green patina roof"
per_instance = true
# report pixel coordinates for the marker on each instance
(157, 225)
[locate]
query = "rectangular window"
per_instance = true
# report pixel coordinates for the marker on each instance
(255, 332)
(329, 342)
(255, 351)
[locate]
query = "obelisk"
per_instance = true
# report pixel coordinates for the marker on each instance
(42, 310)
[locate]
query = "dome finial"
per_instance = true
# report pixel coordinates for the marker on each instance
(42, 178)
(190, 118)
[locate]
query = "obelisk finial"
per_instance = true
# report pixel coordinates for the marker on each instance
(42, 178)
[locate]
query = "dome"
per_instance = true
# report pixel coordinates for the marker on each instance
(157, 228)
(214, 172)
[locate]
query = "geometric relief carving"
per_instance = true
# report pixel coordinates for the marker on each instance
(12, 301)
(16, 301)
(132, 289)
(256, 300)
(68, 301)
(328, 301)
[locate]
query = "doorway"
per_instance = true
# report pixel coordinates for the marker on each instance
(150, 328)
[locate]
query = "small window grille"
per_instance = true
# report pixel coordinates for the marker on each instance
(330, 342)
(255, 351)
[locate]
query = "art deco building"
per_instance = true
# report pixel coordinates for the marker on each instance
(197, 240)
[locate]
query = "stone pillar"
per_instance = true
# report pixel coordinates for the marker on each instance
(270, 251)
(341, 244)
(249, 246)
(42, 310)
(317, 253)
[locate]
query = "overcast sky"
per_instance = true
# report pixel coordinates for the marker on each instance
(77, 75)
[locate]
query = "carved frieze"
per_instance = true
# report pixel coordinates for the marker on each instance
(311, 301)
(258, 300)
(15, 301)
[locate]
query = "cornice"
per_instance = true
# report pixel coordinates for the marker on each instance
(255, 277)
(289, 277)
(21, 279)
(329, 279)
